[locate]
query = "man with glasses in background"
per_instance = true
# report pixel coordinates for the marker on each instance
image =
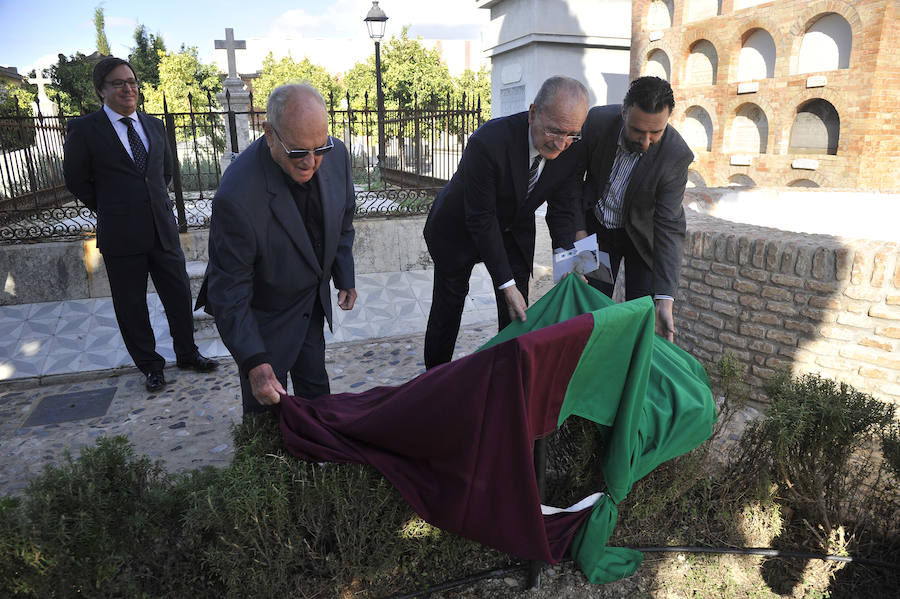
(118, 163)
(281, 230)
(511, 165)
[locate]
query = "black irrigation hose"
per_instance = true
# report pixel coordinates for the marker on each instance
(444, 586)
(770, 553)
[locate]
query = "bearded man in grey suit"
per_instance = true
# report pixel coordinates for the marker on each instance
(118, 163)
(281, 230)
(634, 185)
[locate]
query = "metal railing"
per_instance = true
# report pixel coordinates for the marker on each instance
(423, 147)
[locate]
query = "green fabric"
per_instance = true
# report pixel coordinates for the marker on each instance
(651, 397)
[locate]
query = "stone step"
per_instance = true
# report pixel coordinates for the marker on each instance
(196, 270)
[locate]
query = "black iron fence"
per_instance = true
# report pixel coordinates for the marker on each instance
(423, 145)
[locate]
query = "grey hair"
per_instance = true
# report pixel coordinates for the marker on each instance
(557, 85)
(280, 96)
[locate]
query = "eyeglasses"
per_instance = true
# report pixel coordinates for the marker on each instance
(561, 136)
(302, 153)
(120, 83)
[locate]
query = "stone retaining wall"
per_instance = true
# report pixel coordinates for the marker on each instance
(811, 303)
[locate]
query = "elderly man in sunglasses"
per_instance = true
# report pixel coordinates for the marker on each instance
(281, 229)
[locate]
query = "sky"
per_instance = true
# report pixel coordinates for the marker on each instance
(332, 33)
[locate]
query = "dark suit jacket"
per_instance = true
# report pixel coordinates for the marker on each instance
(482, 214)
(263, 276)
(130, 205)
(654, 218)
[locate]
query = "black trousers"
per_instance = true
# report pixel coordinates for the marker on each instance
(128, 286)
(308, 374)
(616, 242)
(448, 299)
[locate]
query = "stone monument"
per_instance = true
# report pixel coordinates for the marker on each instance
(234, 98)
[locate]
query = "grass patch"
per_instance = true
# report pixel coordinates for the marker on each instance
(114, 524)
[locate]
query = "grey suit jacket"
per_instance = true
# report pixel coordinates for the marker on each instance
(654, 217)
(263, 276)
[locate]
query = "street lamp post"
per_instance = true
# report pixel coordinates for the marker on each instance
(376, 21)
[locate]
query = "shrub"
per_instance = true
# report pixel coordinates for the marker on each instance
(817, 445)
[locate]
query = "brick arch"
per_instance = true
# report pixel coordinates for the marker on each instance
(815, 93)
(684, 78)
(814, 176)
(679, 117)
(730, 111)
(782, 42)
(643, 53)
(808, 16)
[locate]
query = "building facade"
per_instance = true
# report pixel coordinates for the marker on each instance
(786, 93)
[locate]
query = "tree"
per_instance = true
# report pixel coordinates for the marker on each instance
(409, 70)
(15, 100)
(99, 25)
(476, 85)
(72, 80)
(278, 72)
(181, 74)
(145, 55)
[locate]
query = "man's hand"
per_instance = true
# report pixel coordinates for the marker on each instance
(266, 388)
(580, 234)
(515, 302)
(665, 321)
(346, 298)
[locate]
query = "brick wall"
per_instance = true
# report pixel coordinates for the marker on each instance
(811, 303)
(864, 94)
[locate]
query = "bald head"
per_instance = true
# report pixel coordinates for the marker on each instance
(296, 119)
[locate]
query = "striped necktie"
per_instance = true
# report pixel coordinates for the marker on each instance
(533, 173)
(138, 151)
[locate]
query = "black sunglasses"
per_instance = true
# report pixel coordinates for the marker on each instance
(302, 153)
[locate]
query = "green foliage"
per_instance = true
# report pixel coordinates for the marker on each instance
(409, 69)
(816, 444)
(145, 55)
(287, 70)
(181, 74)
(890, 447)
(15, 100)
(199, 173)
(72, 79)
(110, 524)
(100, 27)
(476, 85)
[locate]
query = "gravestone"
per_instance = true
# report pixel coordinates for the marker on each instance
(44, 104)
(234, 97)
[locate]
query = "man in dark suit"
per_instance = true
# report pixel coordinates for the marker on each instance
(511, 165)
(118, 163)
(636, 174)
(281, 229)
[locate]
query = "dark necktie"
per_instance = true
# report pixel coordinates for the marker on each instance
(137, 146)
(533, 173)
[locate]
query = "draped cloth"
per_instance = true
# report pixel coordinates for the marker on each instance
(456, 441)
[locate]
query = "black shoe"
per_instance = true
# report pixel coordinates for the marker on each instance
(155, 381)
(198, 362)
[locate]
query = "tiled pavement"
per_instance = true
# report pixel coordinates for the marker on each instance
(75, 336)
(66, 379)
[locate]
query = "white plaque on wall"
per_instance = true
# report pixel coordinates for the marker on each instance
(741, 160)
(817, 81)
(511, 73)
(655, 35)
(749, 87)
(808, 164)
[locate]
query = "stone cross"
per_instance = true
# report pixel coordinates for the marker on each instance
(40, 82)
(44, 103)
(229, 44)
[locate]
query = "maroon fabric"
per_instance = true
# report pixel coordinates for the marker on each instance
(457, 441)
